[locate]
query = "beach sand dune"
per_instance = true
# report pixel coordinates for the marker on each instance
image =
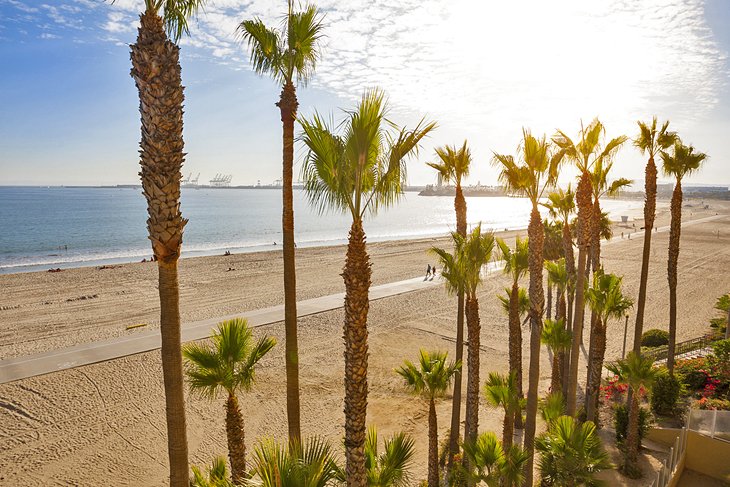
(104, 424)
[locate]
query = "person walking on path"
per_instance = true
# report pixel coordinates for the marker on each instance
(428, 271)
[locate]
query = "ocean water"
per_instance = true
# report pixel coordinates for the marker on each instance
(48, 227)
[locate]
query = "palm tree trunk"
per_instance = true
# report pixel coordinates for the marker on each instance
(570, 268)
(536, 237)
(649, 215)
(460, 209)
(156, 72)
(288, 107)
(472, 381)
(596, 325)
(632, 437)
(515, 345)
(598, 353)
(356, 275)
(549, 300)
(675, 229)
(433, 446)
(584, 197)
(236, 440)
(561, 311)
(556, 376)
(508, 429)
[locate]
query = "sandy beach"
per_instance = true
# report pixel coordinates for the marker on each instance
(104, 424)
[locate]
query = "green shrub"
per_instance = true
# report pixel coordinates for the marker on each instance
(621, 422)
(654, 338)
(665, 393)
(692, 373)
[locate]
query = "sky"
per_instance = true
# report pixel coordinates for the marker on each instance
(481, 69)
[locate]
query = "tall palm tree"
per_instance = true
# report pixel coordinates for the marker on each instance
(357, 171)
(561, 205)
(389, 468)
(501, 391)
(156, 72)
(289, 56)
(682, 162)
(228, 364)
(516, 265)
(650, 141)
(462, 271)
(571, 453)
(536, 171)
(559, 274)
(607, 301)
(430, 379)
(636, 371)
(552, 251)
(453, 167)
(493, 464)
(588, 152)
(558, 339)
(295, 464)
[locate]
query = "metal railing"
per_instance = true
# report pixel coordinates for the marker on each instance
(669, 466)
(710, 422)
(660, 353)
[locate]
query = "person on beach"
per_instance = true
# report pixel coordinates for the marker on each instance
(433, 272)
(428, 271)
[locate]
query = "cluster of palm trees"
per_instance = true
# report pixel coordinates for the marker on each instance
(357, 167)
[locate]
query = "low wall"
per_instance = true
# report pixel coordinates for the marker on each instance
(707, 455)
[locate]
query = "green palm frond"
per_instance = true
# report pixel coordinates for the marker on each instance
(561, 203)
(552, 407)
(555, 336)
(500, 390)
(175, 14)
(517, 261)
(362, 168)
(217, 475)
(311, 464)
(288, 55)
(635, 370)
(455, 163)
(390, 468)
(432, 377)
(523, 300)
(492, 465)
(461, 270)
(227, 362)
(536, 170)
(682, 161)
(649, 141)
(589, 154)
(606, 298)
(557, 274)
(571, 453)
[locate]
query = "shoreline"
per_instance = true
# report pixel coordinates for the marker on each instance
(634, 214)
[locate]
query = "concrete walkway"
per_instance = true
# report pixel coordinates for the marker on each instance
(90, 353)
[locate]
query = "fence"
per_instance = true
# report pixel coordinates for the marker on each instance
(712, 423)
(660, 353)
(669, 466)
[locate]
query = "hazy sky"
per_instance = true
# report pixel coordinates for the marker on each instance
(482, 69)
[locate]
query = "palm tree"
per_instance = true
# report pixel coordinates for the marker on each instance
(431, 379)
(650, 141)
(156, 72)
(552, 407)
(217, 475)
(358, 172)
(289, 56)
(501, 391)
(516, 265)
(312, 464)
(390, 468)
(454, 166)
(462, 271)
(536, 171)
(588, 152)
(607, 301)
(682, 162)
(228, 364)
(571, 453)
(558, 339)
(492, 464)
(637, 372)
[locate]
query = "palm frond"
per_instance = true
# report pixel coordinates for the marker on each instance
(265, 46)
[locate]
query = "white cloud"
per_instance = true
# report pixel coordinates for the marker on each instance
(46, 35)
